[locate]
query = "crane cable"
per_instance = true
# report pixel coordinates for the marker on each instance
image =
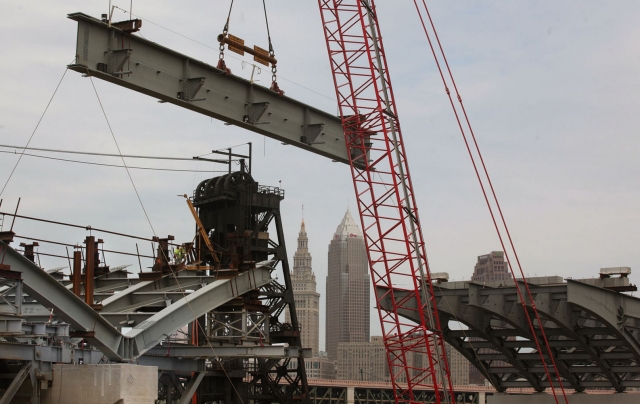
(274, 68)
(34, 131)
(532, 328)
(225, 30)
(495, 199)
(144, 210)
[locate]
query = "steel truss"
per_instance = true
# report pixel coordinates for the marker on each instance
(385, 196)
(238, 307)
(376, 395)
(593, 332)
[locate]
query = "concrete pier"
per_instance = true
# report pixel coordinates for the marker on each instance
(102, 384)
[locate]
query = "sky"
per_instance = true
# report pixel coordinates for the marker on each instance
(552, 90)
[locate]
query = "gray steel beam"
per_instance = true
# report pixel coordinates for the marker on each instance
(108, 303)
(61, 354)
(165, 74)
(50, 354)
(476, 319)
(126, 319)
(176, 364)
(23, 373)
(67, 306)
(100, 333)
(610, 307)
(603, 384)
(191, 388)
(563, 356)
(151, 331)
(229, 351)
(563, 315)
(590, 329)
(137, 295)
(573, 369)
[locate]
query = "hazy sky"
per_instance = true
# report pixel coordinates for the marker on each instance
(552, 89)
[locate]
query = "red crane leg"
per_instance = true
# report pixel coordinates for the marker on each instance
(386, 203)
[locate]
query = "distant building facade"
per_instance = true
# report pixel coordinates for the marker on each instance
(363, 361)
(459, 366)
(368, 362)
(318, 367)
(307, 300)
(491, 267)
(348, 286)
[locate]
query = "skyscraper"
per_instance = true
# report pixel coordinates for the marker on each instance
(304, 290)
(348, 288)
(491, 267)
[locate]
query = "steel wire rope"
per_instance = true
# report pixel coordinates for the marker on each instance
(226, 25)
(212, 48)
(495, 197)
(530, 322)
(182, 290)
(34, 131)
(103, 154)
(115, 165)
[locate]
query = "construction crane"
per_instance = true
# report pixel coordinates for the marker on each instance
(386, 201)
(373, 147)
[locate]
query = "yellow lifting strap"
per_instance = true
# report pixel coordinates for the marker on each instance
(203, 233)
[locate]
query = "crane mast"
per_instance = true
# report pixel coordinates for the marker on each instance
(386, 202)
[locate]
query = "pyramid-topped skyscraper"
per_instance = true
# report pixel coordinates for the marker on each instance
(348, 306)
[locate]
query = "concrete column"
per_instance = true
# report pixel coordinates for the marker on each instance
(350, 395)
(99, 384)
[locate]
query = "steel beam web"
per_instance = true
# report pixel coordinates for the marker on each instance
(386, 202)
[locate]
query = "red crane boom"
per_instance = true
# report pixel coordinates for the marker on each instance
(386, 201)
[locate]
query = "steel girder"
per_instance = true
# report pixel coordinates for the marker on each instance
(230, 351)
(162, 73)
(22, 375)
(594, 333)
(151, 331)
(102, 334)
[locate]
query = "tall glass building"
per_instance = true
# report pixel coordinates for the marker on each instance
(348, 286)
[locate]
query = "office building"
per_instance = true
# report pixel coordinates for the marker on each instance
(491, 267)
(348, 286)
(368, 362)
(307, 300)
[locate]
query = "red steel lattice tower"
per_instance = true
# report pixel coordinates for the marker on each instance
(386, 202)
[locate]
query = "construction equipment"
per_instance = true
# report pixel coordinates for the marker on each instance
(203, 234)
(386, 202)
(374, 150)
